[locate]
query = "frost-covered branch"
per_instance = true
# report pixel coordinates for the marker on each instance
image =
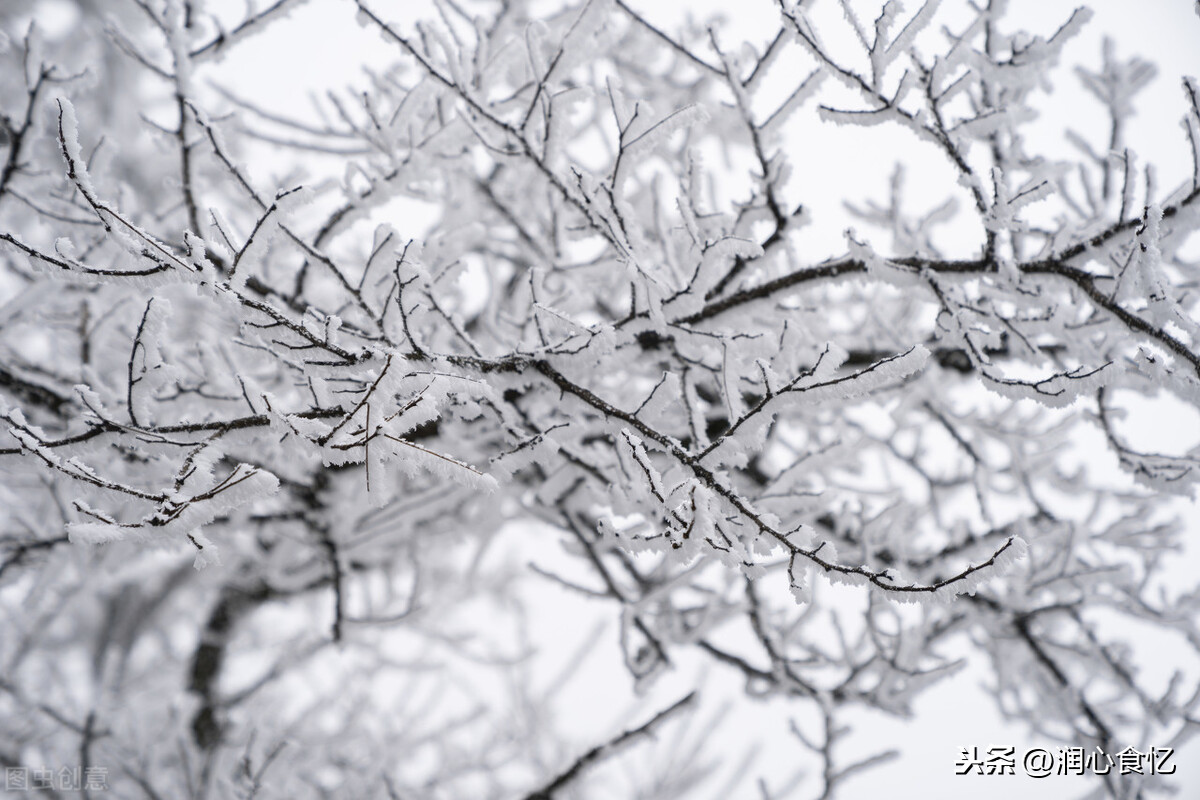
(543, 313)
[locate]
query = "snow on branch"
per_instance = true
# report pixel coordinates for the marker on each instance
(554, 291)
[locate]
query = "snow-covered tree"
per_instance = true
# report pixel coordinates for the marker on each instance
(312, 414)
